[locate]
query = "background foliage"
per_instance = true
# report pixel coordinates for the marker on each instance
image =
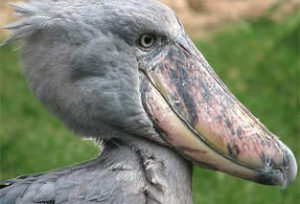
(258, 60)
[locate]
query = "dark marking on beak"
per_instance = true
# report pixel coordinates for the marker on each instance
(181, 80)
(229, 126)
(239, 132)
(268, 178)
(187, 149)
(233, 150)
(205, 92)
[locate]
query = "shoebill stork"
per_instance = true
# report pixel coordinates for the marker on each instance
(127, 74)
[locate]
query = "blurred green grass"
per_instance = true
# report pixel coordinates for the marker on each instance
(259, 61)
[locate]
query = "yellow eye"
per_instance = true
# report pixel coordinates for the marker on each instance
(147, 40)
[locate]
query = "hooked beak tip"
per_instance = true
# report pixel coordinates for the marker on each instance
(289, 168)
(284, 174)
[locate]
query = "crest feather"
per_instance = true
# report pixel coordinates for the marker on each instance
(34, 19)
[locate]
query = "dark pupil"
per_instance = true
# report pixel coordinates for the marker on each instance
(148, 40)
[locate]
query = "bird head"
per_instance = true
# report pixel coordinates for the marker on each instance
(109, 67)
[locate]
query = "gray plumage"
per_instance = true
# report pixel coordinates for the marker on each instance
(80, 59)
(135, 172)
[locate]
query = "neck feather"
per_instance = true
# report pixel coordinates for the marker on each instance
(167, 175)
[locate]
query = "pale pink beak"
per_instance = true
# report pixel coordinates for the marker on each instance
(197, 115)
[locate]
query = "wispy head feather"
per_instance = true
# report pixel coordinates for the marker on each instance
(35, 17)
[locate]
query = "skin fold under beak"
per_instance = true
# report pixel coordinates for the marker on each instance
(195, 113)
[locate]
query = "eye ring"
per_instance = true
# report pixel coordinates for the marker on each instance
(147, 41)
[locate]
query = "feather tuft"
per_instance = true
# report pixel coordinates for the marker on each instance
(35, 19)
(23, 9)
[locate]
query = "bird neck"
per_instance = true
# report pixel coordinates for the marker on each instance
(167, 175)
